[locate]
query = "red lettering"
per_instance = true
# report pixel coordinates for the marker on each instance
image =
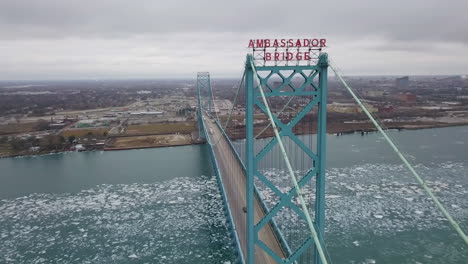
(259, 43)
(276, 56)
(299, 56)
(298, 43)
(275, 43)
(323, 42)
(315, 42)
(283, 43)
(287, 49)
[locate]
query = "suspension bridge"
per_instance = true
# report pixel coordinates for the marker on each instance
(270, 167)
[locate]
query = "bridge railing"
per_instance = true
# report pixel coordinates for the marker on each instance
(227, 208)
(265, 207)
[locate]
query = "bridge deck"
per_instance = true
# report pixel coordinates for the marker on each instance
(234, 180)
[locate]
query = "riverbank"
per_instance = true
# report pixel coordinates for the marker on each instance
(173, 140)
(157, 146)
(346, 128)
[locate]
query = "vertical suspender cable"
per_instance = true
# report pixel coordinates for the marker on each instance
(231, 111)
(235, 100)
(291, 171)
(403, 159)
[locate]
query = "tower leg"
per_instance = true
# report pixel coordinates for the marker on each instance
(321, 149)
(249, 146)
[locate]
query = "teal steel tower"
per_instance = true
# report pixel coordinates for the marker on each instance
(205, 99)
(318, 93)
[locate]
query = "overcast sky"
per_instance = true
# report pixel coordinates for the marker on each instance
(62, 39)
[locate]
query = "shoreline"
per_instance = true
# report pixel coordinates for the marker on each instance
(331, 130)
(147, 147)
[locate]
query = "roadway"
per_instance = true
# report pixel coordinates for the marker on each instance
(234, 180)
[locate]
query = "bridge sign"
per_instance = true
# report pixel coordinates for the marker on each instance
(279, 52)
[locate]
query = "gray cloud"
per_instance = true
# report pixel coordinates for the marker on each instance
(395, 20)
(115, 37)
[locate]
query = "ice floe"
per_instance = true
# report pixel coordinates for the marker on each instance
(178, 221)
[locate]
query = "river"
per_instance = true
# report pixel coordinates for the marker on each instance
(163, 206)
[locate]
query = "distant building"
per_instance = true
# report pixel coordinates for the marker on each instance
(372, 93)
(349, 108)
(452, 103)
(57, 125)
(406, 97)
(222, 106)
(79, 147)
(85, 123)
(402, 83)
(386, 108)
(146, 114)
(34, 149)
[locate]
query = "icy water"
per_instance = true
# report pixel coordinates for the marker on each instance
(163, 206)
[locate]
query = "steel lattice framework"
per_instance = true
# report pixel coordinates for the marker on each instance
(319, 95)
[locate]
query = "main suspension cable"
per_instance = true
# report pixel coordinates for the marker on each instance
(403, 159)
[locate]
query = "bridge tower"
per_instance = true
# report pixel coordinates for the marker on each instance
(205, 99)
(314, 91)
